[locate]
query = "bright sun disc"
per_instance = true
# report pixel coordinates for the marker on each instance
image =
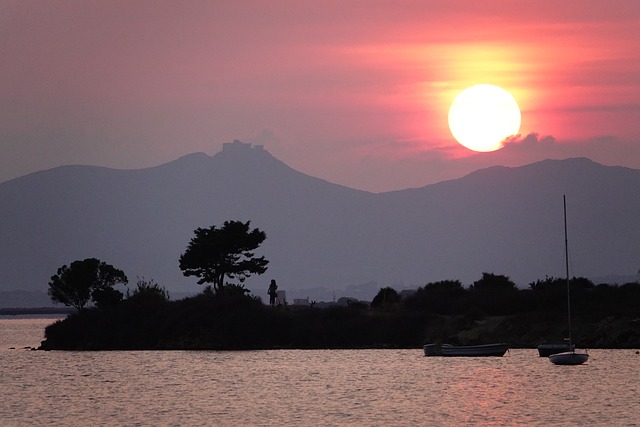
(482, 116)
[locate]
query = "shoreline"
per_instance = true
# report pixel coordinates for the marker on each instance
(22, 311)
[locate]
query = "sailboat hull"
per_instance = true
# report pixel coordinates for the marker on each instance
(569, 358)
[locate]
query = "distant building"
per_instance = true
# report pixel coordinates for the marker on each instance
(281, 298)
(238, 145)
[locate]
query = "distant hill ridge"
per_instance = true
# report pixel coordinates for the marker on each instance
(322, 235)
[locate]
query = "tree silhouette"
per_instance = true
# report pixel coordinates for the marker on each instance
(215, 253)
(385, 297)
(493, 283)
(148, 291)
(84, 281)
(495, 294)
(445, 297)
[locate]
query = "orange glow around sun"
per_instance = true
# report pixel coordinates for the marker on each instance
(461, 66)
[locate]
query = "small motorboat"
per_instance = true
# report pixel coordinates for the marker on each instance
(483, 350)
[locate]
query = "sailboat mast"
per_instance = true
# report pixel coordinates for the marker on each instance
(566, 260)
(569, 357)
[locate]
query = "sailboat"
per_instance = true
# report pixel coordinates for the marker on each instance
(568, 357)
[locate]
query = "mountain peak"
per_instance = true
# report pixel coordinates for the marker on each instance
(238, 152)
(238, 146)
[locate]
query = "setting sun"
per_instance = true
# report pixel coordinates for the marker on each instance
(482, 116)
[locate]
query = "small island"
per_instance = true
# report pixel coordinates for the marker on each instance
(225, 316)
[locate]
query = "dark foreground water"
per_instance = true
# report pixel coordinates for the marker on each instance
(296, 387)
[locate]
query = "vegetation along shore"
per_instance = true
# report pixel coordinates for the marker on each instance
(225, 316)
(604, 317)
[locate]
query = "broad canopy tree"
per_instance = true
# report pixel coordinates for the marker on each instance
(215, 253)
(87, 280)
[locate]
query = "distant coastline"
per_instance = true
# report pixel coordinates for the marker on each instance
(20, 311)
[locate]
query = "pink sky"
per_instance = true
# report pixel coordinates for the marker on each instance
(352, 91)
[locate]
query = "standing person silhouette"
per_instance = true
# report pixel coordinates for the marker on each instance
(273, 292)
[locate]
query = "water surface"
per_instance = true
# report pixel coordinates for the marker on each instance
(307, 387)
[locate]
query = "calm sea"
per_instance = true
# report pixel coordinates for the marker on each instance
(292, 387)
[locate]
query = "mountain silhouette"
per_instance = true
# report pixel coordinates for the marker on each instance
(319, 234)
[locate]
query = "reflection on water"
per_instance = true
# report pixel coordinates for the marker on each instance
(336, 387)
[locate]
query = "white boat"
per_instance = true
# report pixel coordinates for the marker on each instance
(483, 350)
(569, 357)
